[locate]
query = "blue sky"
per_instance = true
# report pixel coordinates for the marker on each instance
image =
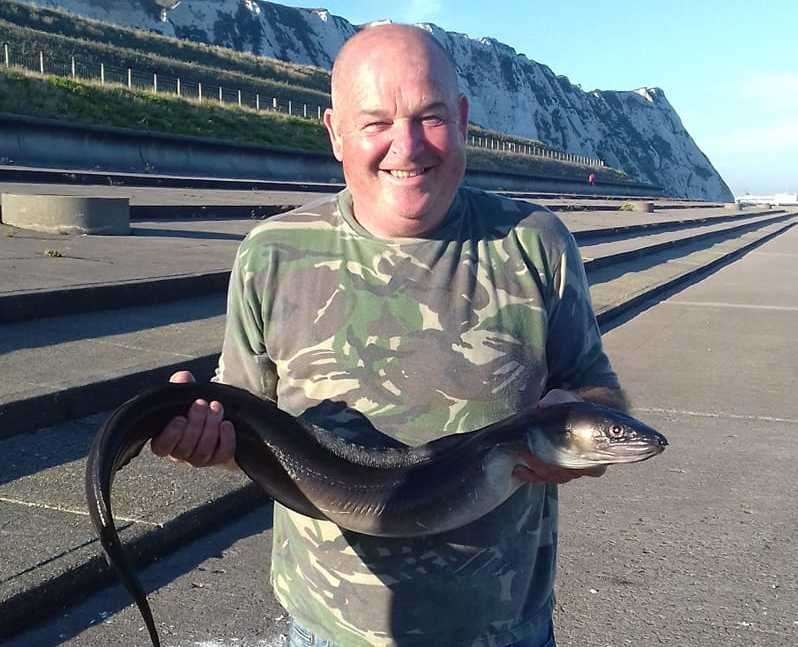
(728, 67)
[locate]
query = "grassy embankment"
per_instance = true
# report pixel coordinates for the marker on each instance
(29, 30)
(23, 26)
(88, 102)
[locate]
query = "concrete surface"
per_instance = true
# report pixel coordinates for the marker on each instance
(173, 247)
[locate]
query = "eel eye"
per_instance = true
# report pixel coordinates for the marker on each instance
(616, 431)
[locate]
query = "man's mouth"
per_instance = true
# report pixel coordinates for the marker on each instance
(401, 174)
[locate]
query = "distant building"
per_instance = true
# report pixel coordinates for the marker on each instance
(776, 199)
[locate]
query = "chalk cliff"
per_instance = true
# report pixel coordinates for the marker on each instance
(637, 131)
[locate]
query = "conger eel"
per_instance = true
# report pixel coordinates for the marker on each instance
(390, 492)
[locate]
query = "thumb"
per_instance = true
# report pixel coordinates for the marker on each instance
(182, 377)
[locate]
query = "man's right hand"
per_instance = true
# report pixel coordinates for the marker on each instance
(202, 438)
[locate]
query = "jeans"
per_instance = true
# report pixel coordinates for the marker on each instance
(298, 636)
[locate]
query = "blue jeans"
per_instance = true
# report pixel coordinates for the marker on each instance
(298, 636)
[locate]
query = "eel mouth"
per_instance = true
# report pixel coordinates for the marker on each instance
(632, 452)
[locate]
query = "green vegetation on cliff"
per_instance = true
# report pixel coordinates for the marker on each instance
(81, 101)
(28, 30)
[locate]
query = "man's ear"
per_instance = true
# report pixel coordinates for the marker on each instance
(462, 106)
(335, 137)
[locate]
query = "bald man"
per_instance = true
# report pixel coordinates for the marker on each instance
(424, 308)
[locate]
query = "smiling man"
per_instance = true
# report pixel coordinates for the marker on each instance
(423, 308)
(398, 126)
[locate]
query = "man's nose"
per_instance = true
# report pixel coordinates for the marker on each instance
(408, 138)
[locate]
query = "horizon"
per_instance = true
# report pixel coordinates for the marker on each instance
(734, 87)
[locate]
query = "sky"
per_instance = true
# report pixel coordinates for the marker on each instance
(728, 67)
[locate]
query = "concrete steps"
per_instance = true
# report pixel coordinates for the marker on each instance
(169, 260)
(101, 358)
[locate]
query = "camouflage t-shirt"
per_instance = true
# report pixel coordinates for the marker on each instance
(422, 338)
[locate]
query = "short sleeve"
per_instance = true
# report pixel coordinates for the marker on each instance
(574, 350)
(244, 361)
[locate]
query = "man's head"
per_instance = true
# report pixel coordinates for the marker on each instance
(398, 125)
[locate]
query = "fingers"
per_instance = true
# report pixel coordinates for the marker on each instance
(164, 443)
(201, 438)
(208, 439)
(533, 470)
(543, 476)
(197, 413)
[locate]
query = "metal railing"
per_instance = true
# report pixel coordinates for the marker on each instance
(226, 95)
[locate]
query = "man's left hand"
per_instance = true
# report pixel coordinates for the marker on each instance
(535, 470)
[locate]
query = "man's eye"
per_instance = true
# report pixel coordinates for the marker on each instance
(433, 120)
(373, 126)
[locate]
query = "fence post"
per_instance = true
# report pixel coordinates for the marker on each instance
(129, 79)
(102, 73)
(155, 83)
(73, 67)
(318, 112)
(5, 53)
(41, 61)
(199, 91)
(305, 110)
(178, 86)
(239, 98)
(289, 106)
(257, 102)
(274, 103)
(221, 99)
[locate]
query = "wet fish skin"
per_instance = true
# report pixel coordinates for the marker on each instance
(393, 491)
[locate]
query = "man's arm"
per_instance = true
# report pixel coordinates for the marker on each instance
(535, 470)
(202, 437)
(579, 369)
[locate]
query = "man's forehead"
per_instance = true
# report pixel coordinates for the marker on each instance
(405, 51)
(375, 96)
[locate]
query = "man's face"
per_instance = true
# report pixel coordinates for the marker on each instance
(399, 128)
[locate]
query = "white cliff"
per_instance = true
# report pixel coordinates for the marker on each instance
(637, 131)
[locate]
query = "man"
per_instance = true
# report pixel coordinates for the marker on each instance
(428, 309)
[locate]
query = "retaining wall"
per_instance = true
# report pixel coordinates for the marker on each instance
(47, 143)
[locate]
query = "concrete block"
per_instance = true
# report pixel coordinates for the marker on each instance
(66, 214)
